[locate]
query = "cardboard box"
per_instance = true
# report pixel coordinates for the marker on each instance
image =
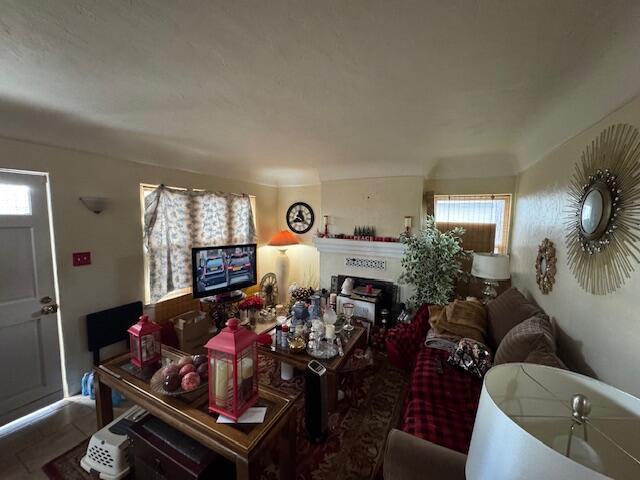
(194, 330)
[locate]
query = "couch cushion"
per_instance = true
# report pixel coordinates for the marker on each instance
(549, 359)
(532, 335)
(505, 312)
(441, 402)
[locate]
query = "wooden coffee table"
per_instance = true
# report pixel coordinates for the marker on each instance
(358, 338)
(240, 443)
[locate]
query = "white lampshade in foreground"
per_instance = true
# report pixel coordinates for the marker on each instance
(524, 419)
(490, 266)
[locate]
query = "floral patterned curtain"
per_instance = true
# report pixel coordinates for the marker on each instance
(176, 220)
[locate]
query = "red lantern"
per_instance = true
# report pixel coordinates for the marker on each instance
(233, 370)
(144, 339)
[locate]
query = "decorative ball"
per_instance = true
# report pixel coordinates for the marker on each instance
(171, 382)
(171, 368)
(188, 368)
(185, 361)
(203, 371)
(190, 381)
(199, 360)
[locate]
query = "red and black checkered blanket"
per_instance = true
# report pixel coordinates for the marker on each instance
(442, 400)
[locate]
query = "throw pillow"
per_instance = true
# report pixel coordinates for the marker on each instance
(533, 335)
(505, 312)
(461, 318)
(472, 356)
(549, 359)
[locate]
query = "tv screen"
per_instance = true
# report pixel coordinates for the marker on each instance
(223, 269)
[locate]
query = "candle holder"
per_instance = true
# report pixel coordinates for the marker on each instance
(407, 225)
(233, 371)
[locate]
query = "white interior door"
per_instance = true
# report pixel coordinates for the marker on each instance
(29, 346)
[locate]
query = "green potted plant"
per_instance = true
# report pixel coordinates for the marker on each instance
(432, 263)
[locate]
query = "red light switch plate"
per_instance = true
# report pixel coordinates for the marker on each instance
(81, 258)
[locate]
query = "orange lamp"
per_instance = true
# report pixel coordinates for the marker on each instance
(283, 238)
(281, 241)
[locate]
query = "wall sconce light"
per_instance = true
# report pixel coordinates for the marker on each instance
(407, 224)
(94, 204)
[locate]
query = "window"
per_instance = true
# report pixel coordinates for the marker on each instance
(176, 219)
(15, 199)
(486, 219)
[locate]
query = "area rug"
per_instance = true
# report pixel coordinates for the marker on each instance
(357, 430)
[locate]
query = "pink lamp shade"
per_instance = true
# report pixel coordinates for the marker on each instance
(283, 238)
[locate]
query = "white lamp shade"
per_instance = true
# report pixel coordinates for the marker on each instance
(490, 266)
(524, 418)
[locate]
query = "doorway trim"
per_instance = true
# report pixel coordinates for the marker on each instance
(64, 392)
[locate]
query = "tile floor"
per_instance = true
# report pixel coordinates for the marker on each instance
(24, 450)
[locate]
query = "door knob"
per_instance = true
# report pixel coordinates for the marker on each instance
(48, 309)
(46, 299)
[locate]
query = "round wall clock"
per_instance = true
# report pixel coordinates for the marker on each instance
(300, 217)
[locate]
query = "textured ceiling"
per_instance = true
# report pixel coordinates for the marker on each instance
(291, 92)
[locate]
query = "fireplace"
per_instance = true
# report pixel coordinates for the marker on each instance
(375, 263)
(369, 308)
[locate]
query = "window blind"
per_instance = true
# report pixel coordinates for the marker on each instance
(485, 218)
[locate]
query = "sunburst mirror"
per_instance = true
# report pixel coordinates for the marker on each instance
(604, 216)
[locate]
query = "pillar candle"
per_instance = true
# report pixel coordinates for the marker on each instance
(247, 368)
(330, 331)
(222, 382)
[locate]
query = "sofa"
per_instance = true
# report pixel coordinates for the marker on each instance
(440, 406)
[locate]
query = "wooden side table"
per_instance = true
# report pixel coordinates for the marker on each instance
(242, 444)
(334, 365)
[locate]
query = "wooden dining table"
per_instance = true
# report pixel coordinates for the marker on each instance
(243, 444)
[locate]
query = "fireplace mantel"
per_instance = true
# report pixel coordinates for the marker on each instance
(358, 247)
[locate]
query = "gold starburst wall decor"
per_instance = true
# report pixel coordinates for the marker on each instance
(603, 224)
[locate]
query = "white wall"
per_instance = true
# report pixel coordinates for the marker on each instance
(115, 236)
(379, 202)
(470, 186)
(598, 334)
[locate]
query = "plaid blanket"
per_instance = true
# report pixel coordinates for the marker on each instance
(442, 400)
(404, 341)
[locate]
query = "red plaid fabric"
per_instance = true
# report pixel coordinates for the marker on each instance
(405, 340)
(441, 407)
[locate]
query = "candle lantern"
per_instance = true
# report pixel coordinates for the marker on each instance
(144, 340)
(233, 370)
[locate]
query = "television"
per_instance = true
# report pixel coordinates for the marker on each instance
(223, 269)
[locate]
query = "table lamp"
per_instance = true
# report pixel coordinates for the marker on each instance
(490, 268)
(539, 422)
(281, 241)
